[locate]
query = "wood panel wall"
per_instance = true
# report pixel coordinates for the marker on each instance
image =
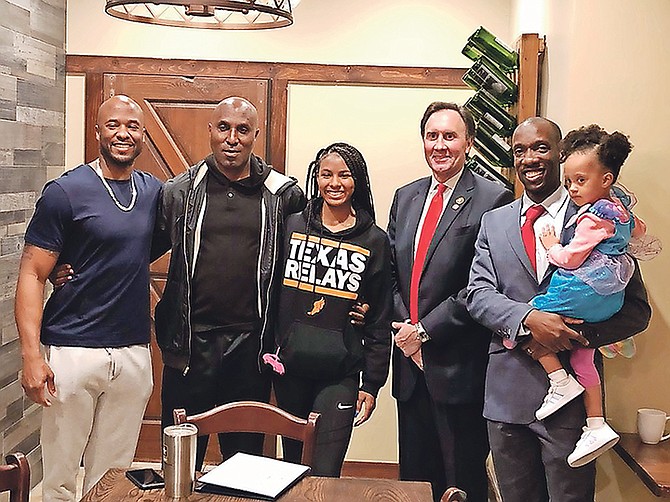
(32, 138)
(280, 75)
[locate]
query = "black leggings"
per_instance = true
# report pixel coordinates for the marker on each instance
(224, 369)
(336, 401)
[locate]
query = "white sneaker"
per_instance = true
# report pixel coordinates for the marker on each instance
(454, 494)
(592, 443)
(558, 396)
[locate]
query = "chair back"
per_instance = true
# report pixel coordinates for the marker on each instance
(252, 416)
(15, 477)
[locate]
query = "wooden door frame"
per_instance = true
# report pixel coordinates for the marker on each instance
(280, 76)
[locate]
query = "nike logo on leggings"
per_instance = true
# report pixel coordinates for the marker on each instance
(341, 406)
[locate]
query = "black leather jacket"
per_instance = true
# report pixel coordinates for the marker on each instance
(177, 228)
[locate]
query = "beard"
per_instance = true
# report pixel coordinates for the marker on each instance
(123, 161)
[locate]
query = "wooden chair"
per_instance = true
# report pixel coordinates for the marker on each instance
(252, 416)
(454, 494)
(15, 477)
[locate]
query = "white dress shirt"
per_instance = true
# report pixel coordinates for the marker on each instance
(555, 205)
(450, 184)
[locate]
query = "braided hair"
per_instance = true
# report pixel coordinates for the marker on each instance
(362, 196)
(611, 149)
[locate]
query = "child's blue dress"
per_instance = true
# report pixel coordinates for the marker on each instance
(594, 291)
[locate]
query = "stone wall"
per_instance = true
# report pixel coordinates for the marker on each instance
(32, 107)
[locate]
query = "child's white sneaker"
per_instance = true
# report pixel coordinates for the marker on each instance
(559, 394)
(592, 444)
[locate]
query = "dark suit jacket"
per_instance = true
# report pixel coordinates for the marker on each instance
(502, 282)
(455, 357)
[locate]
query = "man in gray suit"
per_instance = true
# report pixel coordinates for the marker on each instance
(530, 455)
(440, 353)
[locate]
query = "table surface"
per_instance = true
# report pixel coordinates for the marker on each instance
(115, 487)
(651, 462)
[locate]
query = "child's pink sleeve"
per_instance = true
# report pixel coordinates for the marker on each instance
(589, 232)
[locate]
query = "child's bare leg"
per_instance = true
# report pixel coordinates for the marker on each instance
(550, 363)
(593, 401)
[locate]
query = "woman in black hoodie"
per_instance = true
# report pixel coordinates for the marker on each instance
(334, 256)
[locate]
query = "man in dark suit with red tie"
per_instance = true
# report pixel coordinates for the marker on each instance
(440, 353)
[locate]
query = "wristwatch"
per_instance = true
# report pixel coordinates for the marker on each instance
(421, 333)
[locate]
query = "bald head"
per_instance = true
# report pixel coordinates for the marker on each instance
(119, 101)
(543, 123)
(233, 130)
(236, 104)
(120, 132)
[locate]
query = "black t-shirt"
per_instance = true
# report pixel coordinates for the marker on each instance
(106, 304)
(225, 285)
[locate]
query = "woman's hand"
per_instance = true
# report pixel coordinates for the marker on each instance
(358, 312)
(365, 405)
(61, 274)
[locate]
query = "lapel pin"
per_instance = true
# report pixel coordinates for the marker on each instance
(457, 203)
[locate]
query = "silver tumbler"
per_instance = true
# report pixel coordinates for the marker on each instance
(179, 446)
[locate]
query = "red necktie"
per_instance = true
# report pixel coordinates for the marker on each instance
(528, 233)
(427, 231)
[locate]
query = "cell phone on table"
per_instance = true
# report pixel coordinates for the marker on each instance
(146, 479)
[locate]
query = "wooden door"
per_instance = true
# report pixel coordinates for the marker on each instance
(176, 112)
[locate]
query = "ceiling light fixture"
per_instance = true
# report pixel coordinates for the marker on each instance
(210, 14)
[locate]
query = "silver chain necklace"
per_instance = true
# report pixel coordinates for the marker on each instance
(133, 189)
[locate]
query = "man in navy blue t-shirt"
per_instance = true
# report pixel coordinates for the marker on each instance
(96, 377)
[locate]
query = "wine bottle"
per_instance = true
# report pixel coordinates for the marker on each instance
(493, 125)
(483, 105)
(477, 165)
(494, 148)
(485, 75)
(488, 155)
(484, 42)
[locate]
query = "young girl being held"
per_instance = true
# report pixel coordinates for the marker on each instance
(592, 275)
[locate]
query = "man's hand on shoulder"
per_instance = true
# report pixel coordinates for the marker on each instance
(551, 331)
(36, 379)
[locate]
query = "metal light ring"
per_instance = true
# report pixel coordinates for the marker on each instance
(200, 24)
(236, 5)
(112, 8)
